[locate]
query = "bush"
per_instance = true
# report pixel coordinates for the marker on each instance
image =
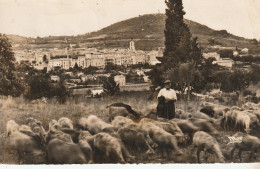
(40, 86)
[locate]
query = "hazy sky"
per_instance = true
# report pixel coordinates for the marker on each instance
(72, 17)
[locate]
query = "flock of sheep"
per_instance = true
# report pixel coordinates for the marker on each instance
(130, 133)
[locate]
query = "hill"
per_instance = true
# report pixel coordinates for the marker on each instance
(147, 32)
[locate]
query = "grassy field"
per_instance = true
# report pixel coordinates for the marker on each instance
(20, 109)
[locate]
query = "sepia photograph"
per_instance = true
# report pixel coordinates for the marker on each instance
(161, 83)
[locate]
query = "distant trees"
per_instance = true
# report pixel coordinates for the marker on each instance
(39, 85)
(113, 67)
(110, 86)
(255, 76)
(240, 80)
(226, 53)
(10, 84)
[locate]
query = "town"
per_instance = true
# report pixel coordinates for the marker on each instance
(73, 56)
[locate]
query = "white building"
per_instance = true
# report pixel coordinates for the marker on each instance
(226, 62)
(211, 55)
(245, 50)
(120, 79)
(55, 78)
(132, 45)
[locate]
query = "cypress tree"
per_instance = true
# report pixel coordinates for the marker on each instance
(177, 35)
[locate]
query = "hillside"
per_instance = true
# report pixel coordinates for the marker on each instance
(147, 32)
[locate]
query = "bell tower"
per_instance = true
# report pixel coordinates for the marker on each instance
(132, 45)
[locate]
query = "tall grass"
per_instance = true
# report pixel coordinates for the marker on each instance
(20, 110)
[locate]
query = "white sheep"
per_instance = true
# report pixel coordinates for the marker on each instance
(242, 119)
(29, 149)
(120, 121)
(205, 142)
(93, 124)
(107, 148)
(11, 126)
(248, 143)
(60, 152)
(65, 122)
(163, 139)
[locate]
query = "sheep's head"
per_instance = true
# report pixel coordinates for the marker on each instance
(247, 131)
(84, 135)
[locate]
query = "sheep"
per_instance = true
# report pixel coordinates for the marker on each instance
(120, 121)
(135, 139)
(65, 122)
(242, 119)
(201, 116)
(37, 128)
(93, 124)
(248, 143)
(203, 125)
(181, 114)
(55, 133)
(105, 144)
(87, 150)
(214, 110)
(29, 149)
(11, 126)
(187, 127)
(96, 125)
(113, 132)
(26, 130)
(60, 152)
(169, 126)
(253, 118)
(251, 106)
(257, 113)
(230, 118)
(205, 142)
(163, 139)
(53, 124)
(136, 127)
(208, 110)
(74, 134)
(121, 109)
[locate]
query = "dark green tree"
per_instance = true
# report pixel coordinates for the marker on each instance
(61, 92)
(195, 53)
(39, 86)
(110, 86)
(240, 80)
(255, 75)
(10, 84)
(76, 67)
(177, 35)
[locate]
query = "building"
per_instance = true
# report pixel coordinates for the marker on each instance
(245, 50)
(55, 78)
(87, 77)
(258, 93)
(211, 55)
(132, 45)
(120, 79)
(226, 62)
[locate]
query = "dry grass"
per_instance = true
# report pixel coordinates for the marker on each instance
(19, 110)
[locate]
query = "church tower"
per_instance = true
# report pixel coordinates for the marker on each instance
(132, 45)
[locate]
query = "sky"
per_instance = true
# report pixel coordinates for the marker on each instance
(34, 18)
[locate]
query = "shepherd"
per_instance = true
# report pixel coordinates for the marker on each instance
(166, 101)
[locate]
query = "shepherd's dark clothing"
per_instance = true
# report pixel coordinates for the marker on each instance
(165, 109)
